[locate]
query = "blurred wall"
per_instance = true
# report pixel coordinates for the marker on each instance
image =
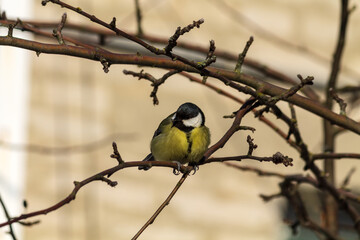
(15, 67)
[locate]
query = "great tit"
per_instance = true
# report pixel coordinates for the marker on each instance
(181, 137)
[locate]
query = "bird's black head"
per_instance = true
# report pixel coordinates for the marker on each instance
(188, 116)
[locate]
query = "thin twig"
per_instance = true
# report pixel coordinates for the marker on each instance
(293, 90)
(335, 156)
(11, 28)
(154, 82)
(330, 203)
(210, 57)
(57, 31)
(242, 55)
(234, 128)
(277, 158)
(339, 100)
(181, 31)
(162, 206)
(348, 177)
(7, 215)
(116, 154)
(66, 150)
(140, 32)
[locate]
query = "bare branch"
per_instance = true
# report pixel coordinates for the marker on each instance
(154, 82)
(163, 205)
(57, 31)
(59, 150)
(335, 156)
(339, 100)
(267, 198)
(234, 127)
(113, 23)
(210, 58)
(348, 177)
(277, 158)
(97, 177)
(163, 63)
(11, 28)
(307, 81)
(236, 99)
(252, 145)
(181, 31)
(242, 55)
(116, 154)
(140, 32)
(7, 215)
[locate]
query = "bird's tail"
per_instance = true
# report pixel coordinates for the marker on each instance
(149, 157)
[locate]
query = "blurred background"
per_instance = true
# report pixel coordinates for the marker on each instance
(59, 116)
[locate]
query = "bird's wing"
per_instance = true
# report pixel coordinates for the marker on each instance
(164, 123)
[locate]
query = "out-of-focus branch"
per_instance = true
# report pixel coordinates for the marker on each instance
(7, 215)
(140, 31)
(82, 148)
(330, 204)
(335, 156)
(348, 177)
(298, 178)
(270, 36)
(289, 190)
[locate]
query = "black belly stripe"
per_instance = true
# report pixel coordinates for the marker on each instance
(188, 135)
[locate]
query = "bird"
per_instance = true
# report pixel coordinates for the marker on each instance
(182, 137)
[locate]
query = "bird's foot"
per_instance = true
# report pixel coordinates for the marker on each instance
(146, 159)
(195, 167)
(176, 170)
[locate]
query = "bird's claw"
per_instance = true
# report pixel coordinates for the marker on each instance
(195, 167)
(176, 170)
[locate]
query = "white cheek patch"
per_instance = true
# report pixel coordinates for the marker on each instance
(193, 122)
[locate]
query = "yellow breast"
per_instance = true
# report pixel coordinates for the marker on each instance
(176, 145)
